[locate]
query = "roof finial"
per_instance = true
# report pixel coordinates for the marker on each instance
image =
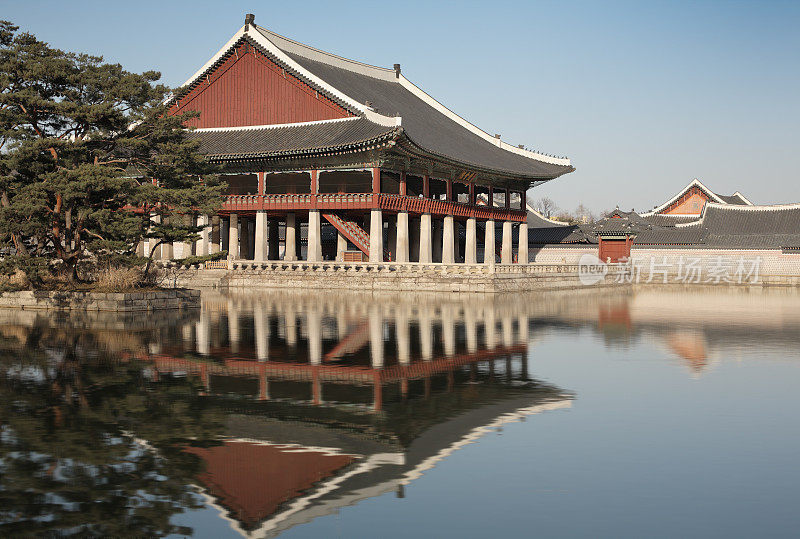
(248, 20)
(397, 71)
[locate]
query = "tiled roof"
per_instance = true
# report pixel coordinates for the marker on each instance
(560, 234)
(669, 220)
(425, 126)
(683, 235)
(292, 139)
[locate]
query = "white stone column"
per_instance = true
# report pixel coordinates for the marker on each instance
(506, 252)
(402, 237)
(261, 236)
(522, 240)
(523, 330)
(448, 240)
(201, 245)
(425, 334)
(376, 236)
(489, 244)
(233, 236)
(341, 246)
(290, 246)
(314, 253)
(471, 329)
(471, 247)
(448, 330)
(425, 239)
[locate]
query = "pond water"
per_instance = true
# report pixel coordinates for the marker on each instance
(654, 413)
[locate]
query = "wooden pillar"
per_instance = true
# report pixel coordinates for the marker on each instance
(490, 198)
(508, 198)
(376, 180)
(449, 192)
(426, 186)
(471, 193)
(403, 185)
(261, 183)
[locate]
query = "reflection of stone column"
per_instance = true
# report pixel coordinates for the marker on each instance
(425, 240)
(522, 321)
(376, 236)
(508, 331)
(425, 334)
(233, 326)
(216, 236)
(402, 335)
(314, 253)
(448, 240)
(490, 328)
(290, 245)
(376, 336)
(233, 236)
(402, 237)
(471, 247)
(261, 327)
(489, 244)
(471, 329)
(522, 248)
(438, 231)
(314, 327)
(290, 322)
(341, 246)
(506, 252)
(202, 333)
(448, 330)
(260, 253)
(273, 240)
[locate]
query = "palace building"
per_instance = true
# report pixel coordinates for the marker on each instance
(328, 158)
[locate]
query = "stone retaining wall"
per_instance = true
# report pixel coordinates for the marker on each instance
(385, 276)
(101, 301)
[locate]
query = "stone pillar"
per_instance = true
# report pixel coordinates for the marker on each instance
(471, 247)
(233, 236)
(314, 253)
(506, 252)
(376, 236)
(261, 236)
(166, 251)
(216, 236)
(425, 240)
(488, 243)
(290, 245)
(438, 233)
(449, 240)
(522, 241)
(273, 240)
(401, 242)
(201, 245)
(341, 246)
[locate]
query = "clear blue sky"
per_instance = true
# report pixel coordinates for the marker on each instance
(643, 96)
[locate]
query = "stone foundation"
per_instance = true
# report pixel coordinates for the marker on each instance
(102, 301)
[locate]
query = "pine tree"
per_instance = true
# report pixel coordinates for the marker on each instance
(91, 160)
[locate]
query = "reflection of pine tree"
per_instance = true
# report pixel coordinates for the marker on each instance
(88, 446)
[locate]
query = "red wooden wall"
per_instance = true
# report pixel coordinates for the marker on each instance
(614, 250)
(250, 89)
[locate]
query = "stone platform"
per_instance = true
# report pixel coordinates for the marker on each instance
(385, 276)
(175, 298)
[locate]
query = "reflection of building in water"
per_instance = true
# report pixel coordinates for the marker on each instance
(329, 403)
(700, 328)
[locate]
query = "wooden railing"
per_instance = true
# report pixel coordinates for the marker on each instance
(366, 201)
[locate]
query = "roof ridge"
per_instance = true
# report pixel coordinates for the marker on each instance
(318, 55)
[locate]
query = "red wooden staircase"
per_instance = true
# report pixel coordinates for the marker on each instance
(354, 233)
